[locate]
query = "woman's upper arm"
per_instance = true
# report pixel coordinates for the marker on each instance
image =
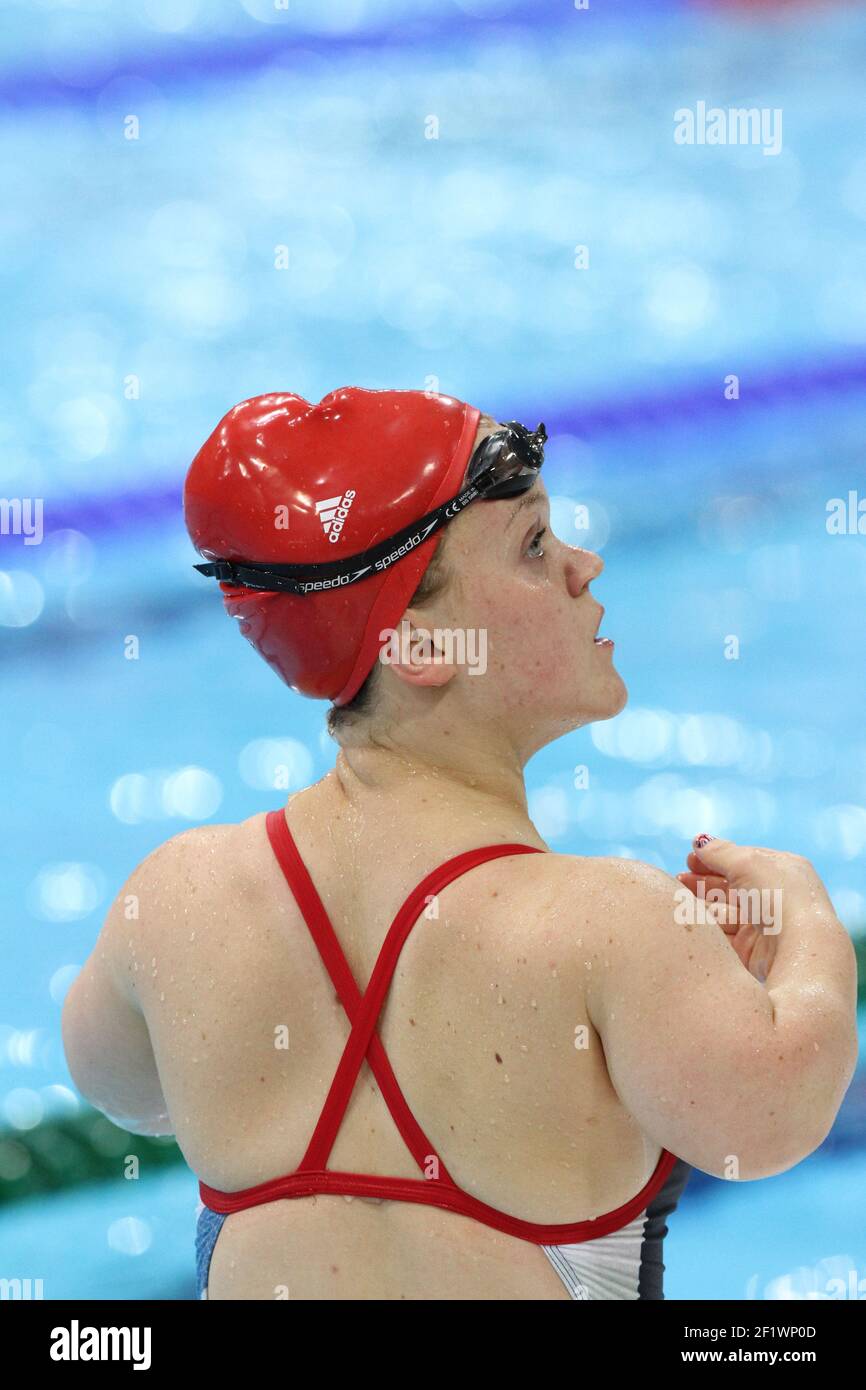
(105, 1035)
(687, 1032)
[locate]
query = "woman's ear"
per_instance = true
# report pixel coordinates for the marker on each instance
(416, 655)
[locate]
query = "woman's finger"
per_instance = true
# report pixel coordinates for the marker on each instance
(709, 881)
(723, 912)
(695, 863)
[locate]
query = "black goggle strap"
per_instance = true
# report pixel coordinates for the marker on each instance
(350, 569)
(505, 472)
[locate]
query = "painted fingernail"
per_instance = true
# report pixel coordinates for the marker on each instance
(701, 840)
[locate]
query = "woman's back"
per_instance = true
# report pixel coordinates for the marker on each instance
(485, 1026)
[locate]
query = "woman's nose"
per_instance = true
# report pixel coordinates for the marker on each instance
(582, 566)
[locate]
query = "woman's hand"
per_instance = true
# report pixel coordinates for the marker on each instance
(745, 936)
(759, 885)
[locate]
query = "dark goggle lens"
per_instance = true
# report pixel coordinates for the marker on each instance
(512, 457)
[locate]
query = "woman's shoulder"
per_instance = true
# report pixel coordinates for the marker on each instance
(606, 869)
(204, 855)
(587, 890)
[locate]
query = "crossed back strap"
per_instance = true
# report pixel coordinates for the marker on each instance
(363, 1010)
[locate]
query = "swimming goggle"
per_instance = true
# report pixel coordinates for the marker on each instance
(505, 464)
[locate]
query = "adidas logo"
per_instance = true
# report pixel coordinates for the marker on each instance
(332, 513)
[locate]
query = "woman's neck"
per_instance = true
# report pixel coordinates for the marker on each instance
(488, 792)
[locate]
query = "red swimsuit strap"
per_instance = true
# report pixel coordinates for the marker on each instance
(363, 1011)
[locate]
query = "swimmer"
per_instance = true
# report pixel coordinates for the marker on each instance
(409, 1051)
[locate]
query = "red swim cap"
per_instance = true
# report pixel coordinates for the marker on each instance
(284, 481)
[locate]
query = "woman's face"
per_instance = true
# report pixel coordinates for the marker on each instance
(530, 591)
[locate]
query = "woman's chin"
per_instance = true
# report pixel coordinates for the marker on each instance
(604, 704)
(614, 697)
(621, 694)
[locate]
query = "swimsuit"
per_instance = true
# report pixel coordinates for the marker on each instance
(617, 1255)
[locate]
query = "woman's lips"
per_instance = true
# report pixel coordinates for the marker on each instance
(603, 642)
